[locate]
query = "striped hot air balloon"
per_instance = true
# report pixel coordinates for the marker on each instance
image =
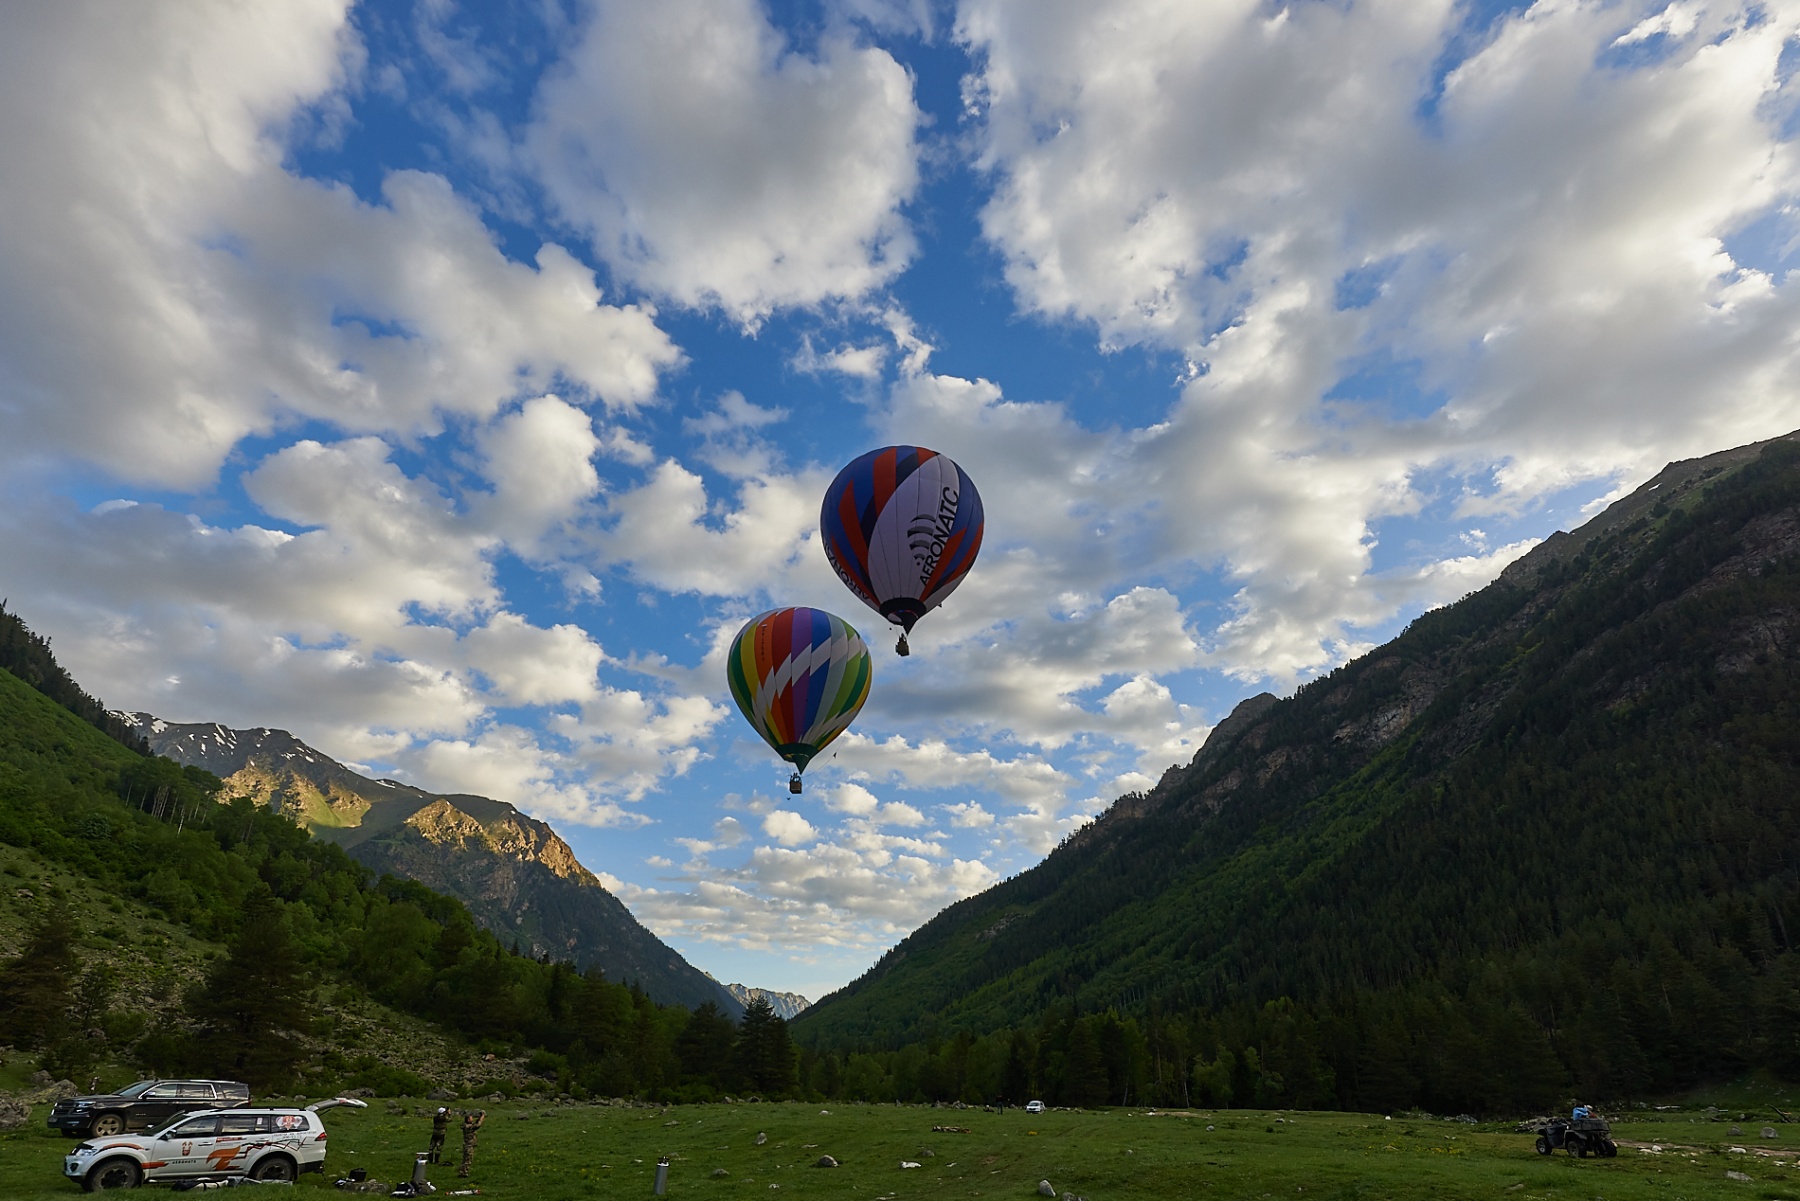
(799, 676)
(902, 525)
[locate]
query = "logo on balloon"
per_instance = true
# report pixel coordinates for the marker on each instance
(929, 532)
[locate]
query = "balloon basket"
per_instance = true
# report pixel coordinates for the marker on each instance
(794, 783)
(901, 648)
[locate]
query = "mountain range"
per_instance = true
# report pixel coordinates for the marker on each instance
(785, 1005)
(516, 875)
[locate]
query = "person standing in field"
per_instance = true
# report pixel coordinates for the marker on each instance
(471, 1123)
(440, 1122)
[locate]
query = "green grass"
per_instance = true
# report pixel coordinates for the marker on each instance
(584, 1151)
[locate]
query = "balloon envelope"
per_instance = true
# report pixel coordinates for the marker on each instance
(799, 676)
(901, 525)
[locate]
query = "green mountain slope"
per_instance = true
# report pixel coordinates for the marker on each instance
(124, 872)
(1558, 816)
(518, 878)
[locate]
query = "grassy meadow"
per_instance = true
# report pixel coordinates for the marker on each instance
(581, 1151)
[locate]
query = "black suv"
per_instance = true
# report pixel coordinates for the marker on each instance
(143, 1106)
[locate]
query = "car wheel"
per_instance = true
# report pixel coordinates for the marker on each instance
(1543, 1145)
(273, 1167)
(109, 1124)
(114, 1173)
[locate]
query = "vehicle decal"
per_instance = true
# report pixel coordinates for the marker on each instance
(222, 1156)
(116, 1146)
(187, 1148)
(155, 1163)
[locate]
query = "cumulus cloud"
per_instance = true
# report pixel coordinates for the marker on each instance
(803, 900)
(533, 666)
(667, 533)
(171, 287)
(969, 815)
(540, 461)
(714, 163)
(1538, 231)
(788, 828)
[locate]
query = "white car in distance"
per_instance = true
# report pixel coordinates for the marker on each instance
(1034, 1107)
(262, 1144)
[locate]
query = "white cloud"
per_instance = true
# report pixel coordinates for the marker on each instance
(1278, 194)
(149, 212)
(788, 828)
(668, 534)
(799, 900)
(540, 460)
(715, 164)
(968, 815)
(1677, 21)
(533, 666)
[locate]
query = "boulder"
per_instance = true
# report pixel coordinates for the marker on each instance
(761, 1138)
(1769, 1132)
(1737, 1176)
(1044, 1189)
(719, 1173)
(13, 1113)
(826, 1161)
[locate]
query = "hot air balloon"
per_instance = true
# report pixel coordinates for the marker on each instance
(799, 675)
(902, 526)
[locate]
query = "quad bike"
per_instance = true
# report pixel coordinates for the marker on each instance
(1582, 1137)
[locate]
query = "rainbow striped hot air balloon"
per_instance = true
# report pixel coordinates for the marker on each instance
(799, 675)
(902, 525)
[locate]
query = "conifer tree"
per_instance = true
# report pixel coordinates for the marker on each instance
(35, 987)
(764, 1053)
(254, 1002)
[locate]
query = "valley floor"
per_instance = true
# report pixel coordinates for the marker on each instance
(582, 1151)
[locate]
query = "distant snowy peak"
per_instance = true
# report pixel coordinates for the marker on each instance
(787, 1005)
(219, 749)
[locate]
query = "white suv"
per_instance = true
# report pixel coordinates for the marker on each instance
(263, 1144)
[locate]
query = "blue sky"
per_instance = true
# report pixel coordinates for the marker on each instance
(447, 383)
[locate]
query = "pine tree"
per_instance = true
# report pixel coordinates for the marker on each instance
(35, 987)
(764, 1053)
(1084, 1082)
(254, 1002)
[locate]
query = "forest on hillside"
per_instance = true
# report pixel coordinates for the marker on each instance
(299, 917)
(1574, 867)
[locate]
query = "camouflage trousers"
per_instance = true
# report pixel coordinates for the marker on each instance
(468, 1154)
(435, 1153)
